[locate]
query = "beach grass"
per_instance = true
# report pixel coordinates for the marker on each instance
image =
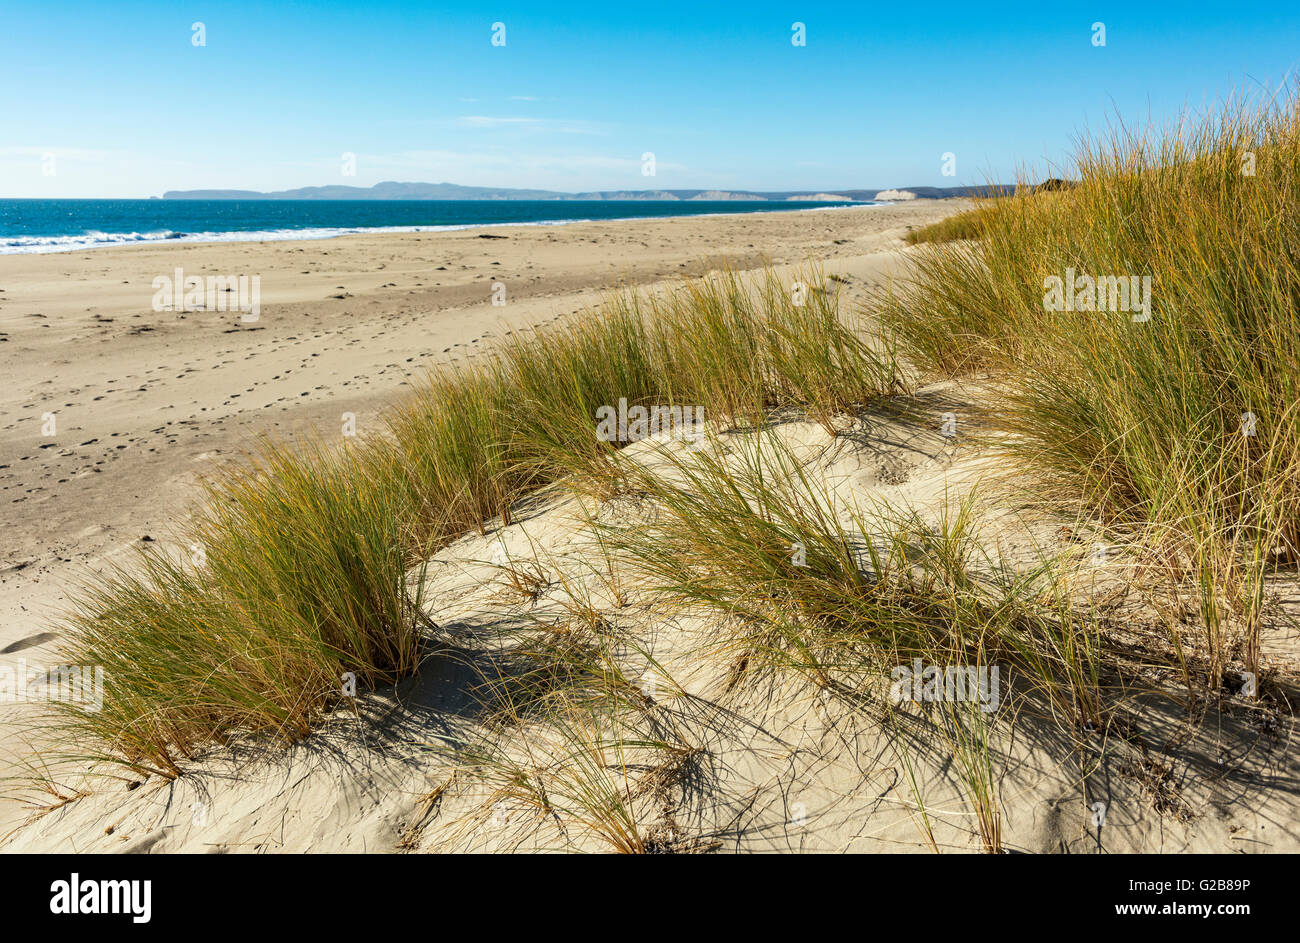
(844, 594)
(291, 581)
(1179, 420)
(570, 732)
(288, 586)
(971, 224)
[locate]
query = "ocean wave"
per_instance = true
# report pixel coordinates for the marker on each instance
(27, 245)
(12, 245)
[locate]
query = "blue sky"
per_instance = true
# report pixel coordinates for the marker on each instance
(129, 107)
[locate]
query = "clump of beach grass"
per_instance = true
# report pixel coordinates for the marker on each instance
(290, 583)
(803, 580)
(843, 593)
(1174, 415)
(293, 578)
(971, 224)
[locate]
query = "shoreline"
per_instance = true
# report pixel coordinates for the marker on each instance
(222, 237)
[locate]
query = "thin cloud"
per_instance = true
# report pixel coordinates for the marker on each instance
(65, 153)
(484, 121)
(548, 125)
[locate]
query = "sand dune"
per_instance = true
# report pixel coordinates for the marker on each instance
(773, 765)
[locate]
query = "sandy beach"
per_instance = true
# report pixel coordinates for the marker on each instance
(144, 399)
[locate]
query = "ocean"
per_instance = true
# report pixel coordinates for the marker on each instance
(30, 226)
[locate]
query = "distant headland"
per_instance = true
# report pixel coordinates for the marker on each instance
(391, 190)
